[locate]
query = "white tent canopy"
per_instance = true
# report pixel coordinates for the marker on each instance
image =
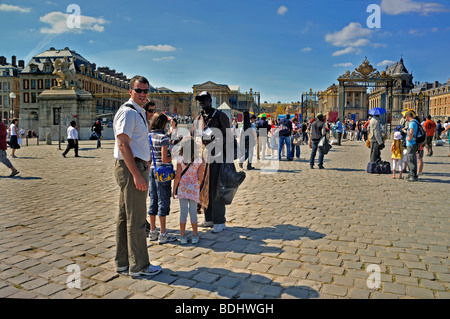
(226, 109)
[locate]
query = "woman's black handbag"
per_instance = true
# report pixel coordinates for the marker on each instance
(228, 183)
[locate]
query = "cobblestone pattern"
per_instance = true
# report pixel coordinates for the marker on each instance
(299, 233)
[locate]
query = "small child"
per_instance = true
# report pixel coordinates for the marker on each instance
(190, 170)
(397, 154)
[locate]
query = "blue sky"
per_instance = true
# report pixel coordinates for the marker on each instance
(279, 48)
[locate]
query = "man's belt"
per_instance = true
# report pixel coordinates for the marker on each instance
(139, 160)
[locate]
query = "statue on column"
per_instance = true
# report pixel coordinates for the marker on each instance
(67, 78)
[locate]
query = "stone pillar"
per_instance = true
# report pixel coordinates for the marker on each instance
(75, 105)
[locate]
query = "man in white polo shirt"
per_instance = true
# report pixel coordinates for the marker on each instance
(132, 154)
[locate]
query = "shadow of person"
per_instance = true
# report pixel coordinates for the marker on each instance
(252, 240)
(231, 284)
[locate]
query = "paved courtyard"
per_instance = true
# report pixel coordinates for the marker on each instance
(296, 233)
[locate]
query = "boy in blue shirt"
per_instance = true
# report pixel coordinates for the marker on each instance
(411, 146)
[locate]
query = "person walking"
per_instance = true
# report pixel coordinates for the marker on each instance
(285, 137)
(247, 136)
(190, 170)
(317, 131)
(438, 130)
(297, 137)
(430, 128)
(159, 191)
(262, 131)
(132, 154)
(98, 128)
(14, 137)
(3, 146)
(339, 130)
(72, 139)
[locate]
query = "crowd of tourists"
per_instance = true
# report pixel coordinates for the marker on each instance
(148, 142)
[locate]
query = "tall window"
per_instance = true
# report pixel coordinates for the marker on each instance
(56, 115)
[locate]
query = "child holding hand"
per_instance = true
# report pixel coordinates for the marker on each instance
(189, 174)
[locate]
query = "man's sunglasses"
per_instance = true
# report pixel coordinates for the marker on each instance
(141, 91)
(151, 110)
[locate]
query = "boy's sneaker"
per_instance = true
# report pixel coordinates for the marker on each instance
(183, 240)
(166, 238)
(218, 228)
(149, 271)
(195, 239)
(123, 270)
(153, 235)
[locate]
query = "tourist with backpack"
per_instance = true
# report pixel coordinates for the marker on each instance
(285, 129)
(411, 146)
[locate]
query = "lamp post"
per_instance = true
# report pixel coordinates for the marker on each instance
(12, 96)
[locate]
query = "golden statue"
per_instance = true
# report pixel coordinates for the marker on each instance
(67, 78)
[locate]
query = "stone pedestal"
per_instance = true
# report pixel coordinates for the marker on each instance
(75, 105)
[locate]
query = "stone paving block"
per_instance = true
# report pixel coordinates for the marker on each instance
(206, 277)
(8, 291)
(49, 289)
(35, 283)
(105, 276)
(272, 291)
(422, 274)
(431, 284)
(118, 294)
(421, 293)
(331, 289)
(159, 291)
(398, 289)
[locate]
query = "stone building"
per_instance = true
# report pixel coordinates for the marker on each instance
(402, 85)
(9, 87)
(223, 93)
(109, 88)
(430, 98)
(356, 102)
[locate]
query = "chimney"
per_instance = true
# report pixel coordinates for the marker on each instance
(2, 60)
(436, 84)
(22, 64)
(14, 60)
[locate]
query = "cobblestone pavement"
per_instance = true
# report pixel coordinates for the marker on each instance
(298, 233)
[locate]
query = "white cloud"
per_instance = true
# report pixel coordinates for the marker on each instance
(282, 10)
(345, 51)
(11, 8)
(345, 65)
(386, 62)
(165, 58)
(351, 39)
(307, 49)
(159, 47)
(351, 35)
(63, 23)
(396, 7)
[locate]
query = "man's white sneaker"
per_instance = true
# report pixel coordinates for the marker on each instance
(217, 228)
(149, 271)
